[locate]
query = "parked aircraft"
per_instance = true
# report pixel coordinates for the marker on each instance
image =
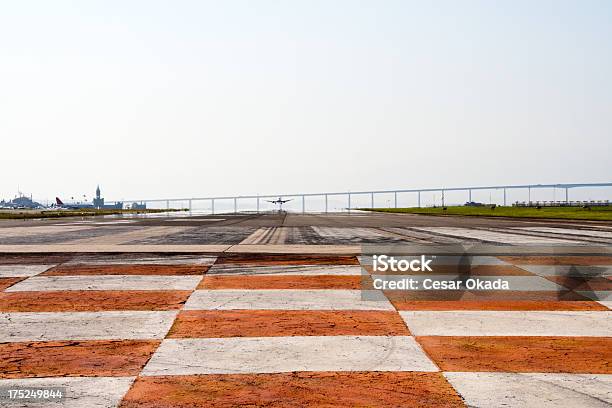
(71, 206)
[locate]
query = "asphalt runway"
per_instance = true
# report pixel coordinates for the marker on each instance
(301, 229)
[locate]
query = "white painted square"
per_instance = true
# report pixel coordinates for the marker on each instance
(81, 392)
(516, 323)
(568, 270)
(21, 271)
(107, 282)
(143, 260)
(50, 326)
(287, 299)
(287, 354)
(286, 270)
(533, 390)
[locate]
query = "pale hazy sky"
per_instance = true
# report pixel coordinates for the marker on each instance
(198, 98)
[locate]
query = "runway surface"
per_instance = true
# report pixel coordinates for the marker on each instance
(276, 310)
(299, 229)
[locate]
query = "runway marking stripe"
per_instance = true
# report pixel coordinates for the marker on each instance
(466, 270)
(286, 270)
(134, 269)
(577, 260)
(605, 303)
(583, 284)
(297, 249)
(520, 354)
(501, 305)
(276, 323)
(286, 259)
(266, 235)
(287, 299)
(250, 355)
(13, 271)
(597, 295)
(150, 260)
(356, 234)
(90, 392)
(540, 390)
(411, 235)
(509, 323)
(580, 271)
(590, 233)
(398, 296)
(106, 282)
(286, 282)
(58, 326)
(256, 236)
(311, 389)
(108, 358)
(448, 260)
(515, 283)
(495, 236)
(92, 301)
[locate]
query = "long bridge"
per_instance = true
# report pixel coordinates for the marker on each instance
(566, 187)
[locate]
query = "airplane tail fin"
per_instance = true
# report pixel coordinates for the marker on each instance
(58, 201)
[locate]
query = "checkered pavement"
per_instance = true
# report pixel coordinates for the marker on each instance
(250, 330)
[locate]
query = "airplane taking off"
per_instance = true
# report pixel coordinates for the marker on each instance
(280, 202)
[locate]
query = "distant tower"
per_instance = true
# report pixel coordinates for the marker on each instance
(98, 202)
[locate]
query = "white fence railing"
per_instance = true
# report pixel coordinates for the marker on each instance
(235, 201)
